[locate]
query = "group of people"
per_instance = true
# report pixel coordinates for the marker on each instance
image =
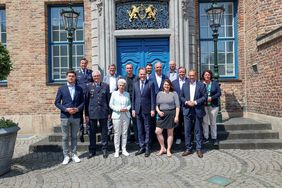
(147, 104)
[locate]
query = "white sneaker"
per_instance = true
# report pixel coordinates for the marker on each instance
(125, 153)
(66, 160)
(75, 158)
(178, 141)
(116, 154)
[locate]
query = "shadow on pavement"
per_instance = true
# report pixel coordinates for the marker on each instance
(32, 162)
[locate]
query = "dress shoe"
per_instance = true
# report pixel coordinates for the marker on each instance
(147, 153)
(140, 152)
(91, 155)
(187, 152)
(200, 154)
(105, 154)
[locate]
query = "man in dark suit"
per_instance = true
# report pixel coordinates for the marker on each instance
(177, 86)
(130, 80)
(83, 77)
(143, 107)
(97, 109)
(193, 97)
(70, 100)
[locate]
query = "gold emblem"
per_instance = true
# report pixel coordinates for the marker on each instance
(142, 12)
(133, 13)
(151, 12)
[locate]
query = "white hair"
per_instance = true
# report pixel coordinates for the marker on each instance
(121, 81)
(95, 72)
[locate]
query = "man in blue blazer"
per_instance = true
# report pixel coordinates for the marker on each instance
(83, 77)
(70, 100)
(97, 99)
(143, 107)
(193, 97)
(177, 86)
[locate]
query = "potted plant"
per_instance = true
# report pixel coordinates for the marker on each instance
(5, 63)
(8, 135)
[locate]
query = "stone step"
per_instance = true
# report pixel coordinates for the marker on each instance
(248, 134)
(220, 127)
(222, 135)
(244, 126)
(251, 144)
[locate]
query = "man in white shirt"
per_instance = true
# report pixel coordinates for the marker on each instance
(172, 73)
(111, 79)
(193, 97)
(70, 100)
(177, 86)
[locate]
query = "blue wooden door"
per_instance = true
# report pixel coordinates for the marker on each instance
(139, 52)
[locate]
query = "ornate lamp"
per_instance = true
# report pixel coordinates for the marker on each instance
(215, 14)
(70, 18)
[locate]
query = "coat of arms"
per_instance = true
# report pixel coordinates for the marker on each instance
(142, 12)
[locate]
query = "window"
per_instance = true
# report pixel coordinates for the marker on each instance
(3, 34)
(58, 43)
(227, 41)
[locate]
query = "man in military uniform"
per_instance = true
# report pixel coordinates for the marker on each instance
(97, 109)
(84, 76)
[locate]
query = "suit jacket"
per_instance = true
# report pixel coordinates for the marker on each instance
(154, 80)
(97, 101)
(200, 97)
(63, 101)
(176, 87)
(82, 79)
(215, 93)
(145, 102)
(115, 104)
(168, 74)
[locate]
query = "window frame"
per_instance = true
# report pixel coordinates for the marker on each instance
(3, 82)
(234, 38)
(50, 79)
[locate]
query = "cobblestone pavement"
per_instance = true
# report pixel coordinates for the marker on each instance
(243, 168)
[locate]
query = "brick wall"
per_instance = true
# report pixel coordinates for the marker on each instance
(263, 88)
(28, 98)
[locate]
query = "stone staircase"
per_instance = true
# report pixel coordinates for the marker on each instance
(236, 133)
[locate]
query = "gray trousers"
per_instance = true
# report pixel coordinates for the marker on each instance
(70, 129)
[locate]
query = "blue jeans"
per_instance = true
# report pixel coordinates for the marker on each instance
(70, 128)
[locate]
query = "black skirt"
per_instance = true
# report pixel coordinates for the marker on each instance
(167, 121)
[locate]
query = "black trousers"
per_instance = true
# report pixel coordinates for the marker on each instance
(92, 134)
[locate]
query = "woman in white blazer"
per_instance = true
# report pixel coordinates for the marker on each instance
(120, 104)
